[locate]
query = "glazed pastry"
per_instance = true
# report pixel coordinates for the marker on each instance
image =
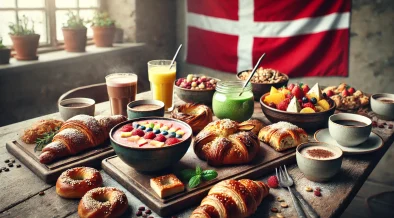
(282, 135)
(103, 202)
(232, 199)
(350, 102)
(78, 134)
(39, 129)
(225, 142)
(196, 115)
(75, 182)
(166, 185)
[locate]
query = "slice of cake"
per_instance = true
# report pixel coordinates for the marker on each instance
(294, 106)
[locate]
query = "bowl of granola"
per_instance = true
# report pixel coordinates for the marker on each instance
(263, 79)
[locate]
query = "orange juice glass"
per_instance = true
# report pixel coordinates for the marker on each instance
(162, 80)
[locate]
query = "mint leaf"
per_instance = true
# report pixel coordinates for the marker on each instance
(195, 181)
(187, 174)
(209, 174)
(198, 170)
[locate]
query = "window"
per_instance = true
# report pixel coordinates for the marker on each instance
(48, 16)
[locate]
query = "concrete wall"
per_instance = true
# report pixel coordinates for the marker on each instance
(371, 48)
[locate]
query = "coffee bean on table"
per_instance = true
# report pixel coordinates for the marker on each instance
(10, 164)
(18, 166)
(3, 168)
(139, 213)
(6, 169)
(141, 208)
(381, 126)
(7, 161)
(41, 193)
(148, 211)
(12, 160)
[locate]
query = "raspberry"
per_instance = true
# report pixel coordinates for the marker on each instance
(172, 141)
(289, 96)
(305, 89)
(160, 138)
(330, 93)
(290, 86)
(149, 135)
(345, 93)
(138, 132)
(317, 193)
(351, 91)
(297, 92)
(273, 182)
(283, 104)
(127, 128)
(309, 104)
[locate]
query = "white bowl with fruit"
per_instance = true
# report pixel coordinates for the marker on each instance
(305, 107)
(196, 88)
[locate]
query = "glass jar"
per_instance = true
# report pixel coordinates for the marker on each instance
(227, 103)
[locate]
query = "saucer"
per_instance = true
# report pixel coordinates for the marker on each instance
(373, 143)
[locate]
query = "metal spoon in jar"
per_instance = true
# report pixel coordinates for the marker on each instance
(251, 74)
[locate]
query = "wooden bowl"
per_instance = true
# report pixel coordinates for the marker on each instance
(260, 89)
(307, 121)
(195, 96)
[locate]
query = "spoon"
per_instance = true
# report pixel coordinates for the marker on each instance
(176, 54)
(253, 71)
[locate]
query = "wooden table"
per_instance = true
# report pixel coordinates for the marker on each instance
(20, 187)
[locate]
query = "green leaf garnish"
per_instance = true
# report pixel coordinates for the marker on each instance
(195, 181)
(195, 176)
(209, 174)
(198, 170)
(45, 139)
(187, 174)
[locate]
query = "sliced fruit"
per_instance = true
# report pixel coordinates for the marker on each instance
(293, 106)
(141, 142)
(156, 143)
(133, 138)
(125, 134)
(319, 109)
(180, 132)
(315, 92)
(307, 110)
(285, 91)
(274, 98)
(324, 104)
(273, 90)
(164, 128)
(158, 126)
(173, 129)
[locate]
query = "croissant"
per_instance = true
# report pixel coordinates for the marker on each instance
(224, 142)
(196, 115)
(78, 134)
(231, 198)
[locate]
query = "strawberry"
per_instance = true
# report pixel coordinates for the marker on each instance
(308, 104)
(289, 96)
(351, 90)
(330, 93)
(127, 128)
(305, 89)
(149, 135)
(160, 138)
(273, 182)
(283, 104)
(297, 92)
(345, 93)
(172, 141)
(138, 132)
(290, 86)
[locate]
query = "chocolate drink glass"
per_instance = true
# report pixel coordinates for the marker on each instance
(122, 89)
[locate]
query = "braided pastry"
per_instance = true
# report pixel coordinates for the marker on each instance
(224, 142)
(231, 198)
(196, 115)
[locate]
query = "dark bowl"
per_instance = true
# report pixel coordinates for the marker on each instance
(151, 159)
(260, 89)
(307, 121)
(195, 96)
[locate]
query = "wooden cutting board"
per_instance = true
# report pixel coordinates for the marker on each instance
(50, 172)
(139, 184)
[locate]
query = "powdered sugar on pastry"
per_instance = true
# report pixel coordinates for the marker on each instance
(284, 125)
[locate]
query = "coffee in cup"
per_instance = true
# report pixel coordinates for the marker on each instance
(122, 89)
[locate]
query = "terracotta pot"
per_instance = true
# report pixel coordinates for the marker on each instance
(103, 36)
(74, 39)
(26, 46)
(5, 55)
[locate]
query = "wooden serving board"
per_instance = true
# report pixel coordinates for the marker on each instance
(50, 172)
(139, 184)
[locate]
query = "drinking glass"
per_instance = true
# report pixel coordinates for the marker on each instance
(122, 89)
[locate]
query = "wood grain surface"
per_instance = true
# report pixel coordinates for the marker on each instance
(20, 186)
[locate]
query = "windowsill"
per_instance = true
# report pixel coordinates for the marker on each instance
(62, 55)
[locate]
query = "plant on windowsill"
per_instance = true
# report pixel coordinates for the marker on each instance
(74, 32)
(24, 39)
(5, 53)
(103, 30)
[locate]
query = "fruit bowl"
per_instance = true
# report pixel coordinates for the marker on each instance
(202, 96)
(150, 158)
(307, 121)
(260, 89)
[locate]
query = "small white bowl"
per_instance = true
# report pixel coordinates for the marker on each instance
(74, 106)
(384, 110)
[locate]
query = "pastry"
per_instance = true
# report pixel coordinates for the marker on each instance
(196, 115)
(102, 202)
(39, 129)
(166, 185)
(224, 142)
(75, 182)
(78, 134)
(346, 98)
(282, 135)
(232, 198)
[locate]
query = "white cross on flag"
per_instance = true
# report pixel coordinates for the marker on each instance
(300, 38)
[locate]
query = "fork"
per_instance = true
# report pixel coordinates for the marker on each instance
(286, 181)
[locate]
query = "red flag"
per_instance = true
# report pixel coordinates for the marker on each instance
(301, 38)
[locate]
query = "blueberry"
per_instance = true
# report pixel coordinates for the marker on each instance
(324, 95)
(304, 99)
(178, 136)
(156, 131)
(164, 132)
(313, 100)
(142, 127)
(149, 129)
(173, 133)
(171, 136)
(136, 125)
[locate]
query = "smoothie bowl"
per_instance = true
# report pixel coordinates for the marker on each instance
(150, 144)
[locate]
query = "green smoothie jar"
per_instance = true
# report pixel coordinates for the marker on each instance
(227, 103)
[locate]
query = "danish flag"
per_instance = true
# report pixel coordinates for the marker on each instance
(300, 38)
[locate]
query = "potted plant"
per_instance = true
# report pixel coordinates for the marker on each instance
(74, 32)
(103, 30)
(24, 39)
(5, 53)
